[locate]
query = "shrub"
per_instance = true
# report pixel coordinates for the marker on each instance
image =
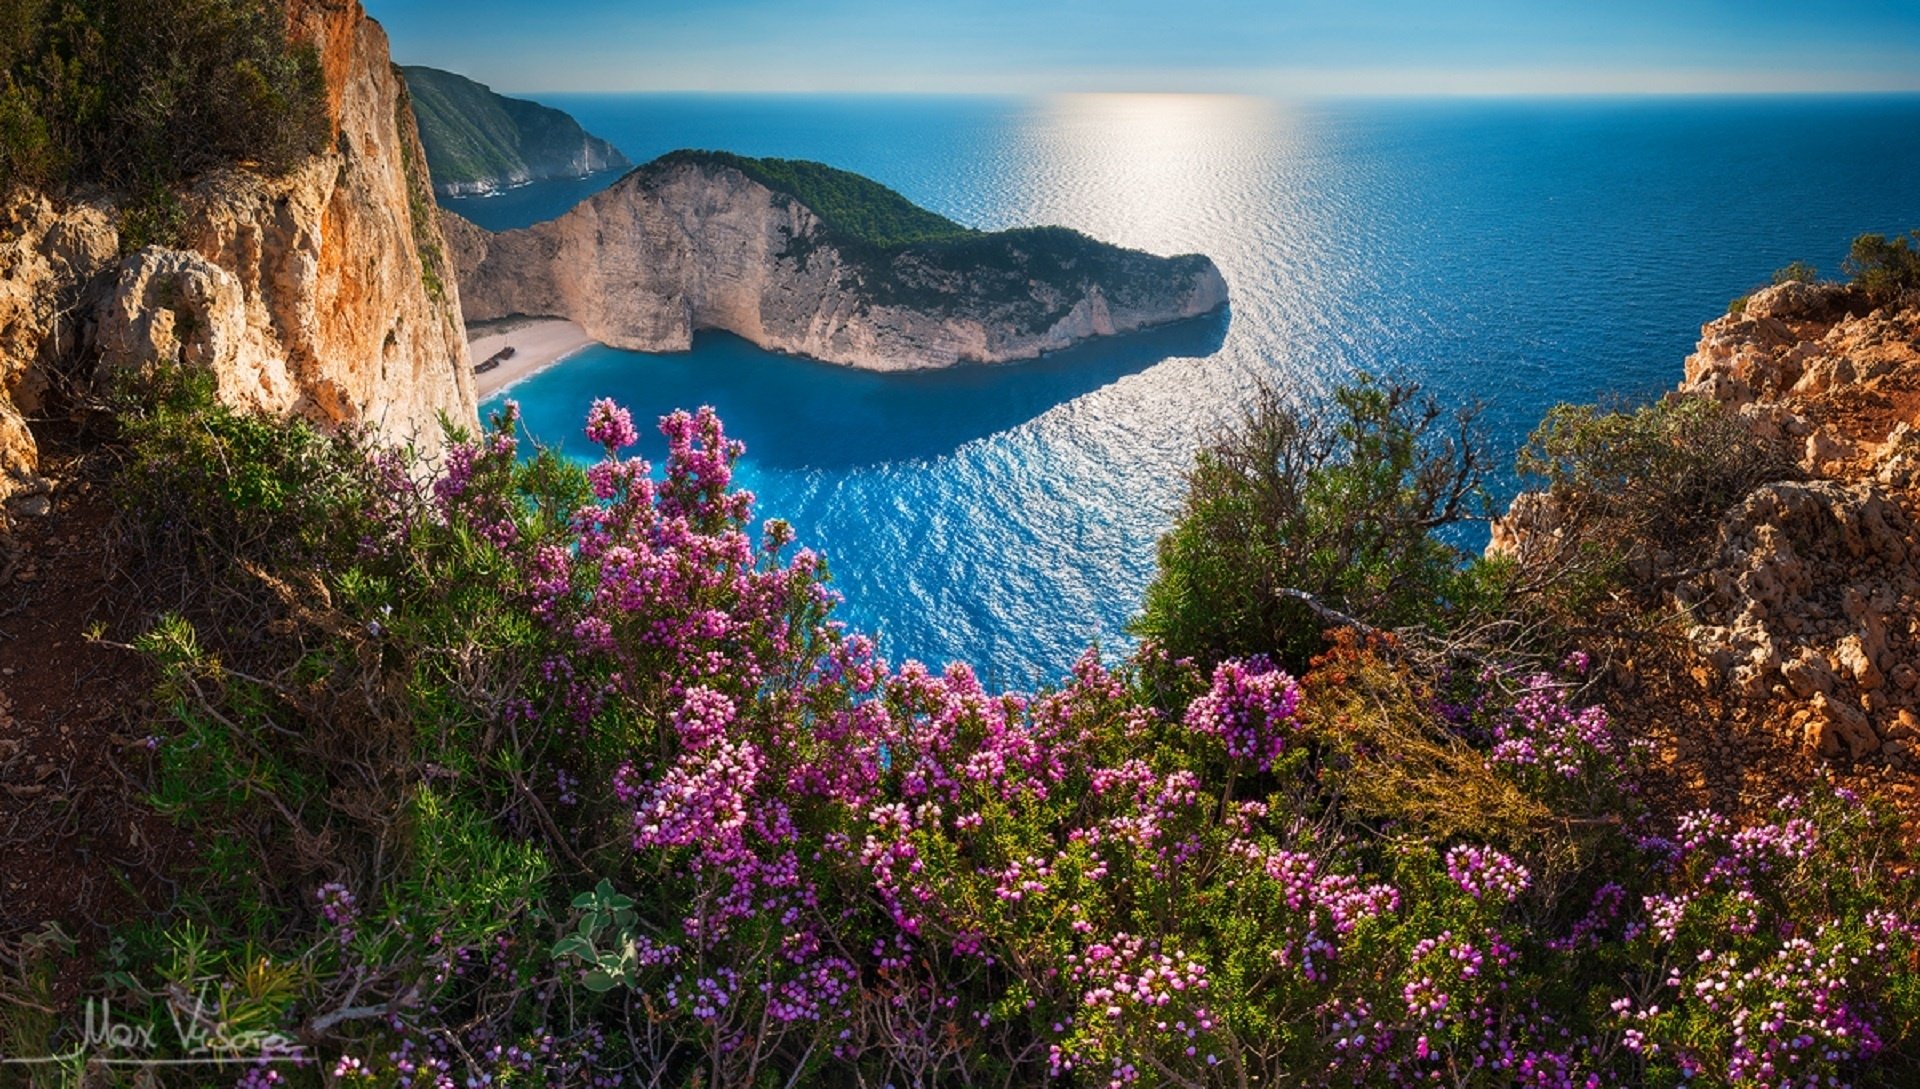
(1341, 508)
(144, 94)
(1796, 272)
(1885, 267)
(1629, 495)
(563, 777)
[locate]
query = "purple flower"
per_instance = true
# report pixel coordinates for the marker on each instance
(1251, 707)
(1482, 871)
(611, 426)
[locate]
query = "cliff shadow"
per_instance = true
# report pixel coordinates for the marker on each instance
(801, 414)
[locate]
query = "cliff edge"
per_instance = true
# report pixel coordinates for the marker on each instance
(324, 291)
(802, 258)
(1811, 600)
(1804, 606)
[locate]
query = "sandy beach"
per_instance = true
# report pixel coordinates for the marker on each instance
(537, 344)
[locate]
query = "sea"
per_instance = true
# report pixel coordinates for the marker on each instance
(1505, 253)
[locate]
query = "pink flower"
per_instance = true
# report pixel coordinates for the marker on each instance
(610, 425)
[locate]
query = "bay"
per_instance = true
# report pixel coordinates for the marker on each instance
(1511, 252)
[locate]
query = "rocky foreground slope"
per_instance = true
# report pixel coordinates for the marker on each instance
(698, 241)
(326, 291)
(1812, 600)
(1805, 608)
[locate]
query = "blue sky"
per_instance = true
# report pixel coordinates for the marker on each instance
(1281, 47)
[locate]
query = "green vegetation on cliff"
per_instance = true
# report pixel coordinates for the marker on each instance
(1885, 267)
(1879, 267)
(140, 95)
(857, 208)
(919, 259)
(476, 138)
(511, 772)
(1293, 517)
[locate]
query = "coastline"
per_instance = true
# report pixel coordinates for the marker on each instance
(538, 343)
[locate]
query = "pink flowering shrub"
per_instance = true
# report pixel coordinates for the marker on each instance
(1251, 709)
(1769, 954)
(811, 866)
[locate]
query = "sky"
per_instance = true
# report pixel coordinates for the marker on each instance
(1289, 48)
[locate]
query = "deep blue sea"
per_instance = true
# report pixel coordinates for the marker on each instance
(1513, 252)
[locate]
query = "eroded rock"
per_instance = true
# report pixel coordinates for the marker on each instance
(685, 244)
(325, 291)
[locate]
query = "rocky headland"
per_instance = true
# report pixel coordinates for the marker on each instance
(479, 142)
(1811, 601)
(1804, 608)
(325, 291)
(801, 258)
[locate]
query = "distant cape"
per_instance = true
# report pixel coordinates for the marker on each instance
(800, 257)
(480, 142)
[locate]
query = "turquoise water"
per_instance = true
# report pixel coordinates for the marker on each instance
(1513, 252)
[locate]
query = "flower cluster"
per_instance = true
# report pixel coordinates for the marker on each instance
(1542, 729)
(1251, 708)
(1482, 872)
(1753, 995)
(337, 909)
(611, 426)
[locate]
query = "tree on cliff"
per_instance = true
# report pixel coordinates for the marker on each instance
(1884, 266)
(1291, 518)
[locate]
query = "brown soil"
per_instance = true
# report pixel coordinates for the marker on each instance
(78, 846)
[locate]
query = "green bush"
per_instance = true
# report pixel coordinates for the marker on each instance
(1798, 272)
(1341, 508)
(859, 208)
(139, 94)
(282, 486)
(1640, 485)
(1885, 267)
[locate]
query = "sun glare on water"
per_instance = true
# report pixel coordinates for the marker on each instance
(1146, 166)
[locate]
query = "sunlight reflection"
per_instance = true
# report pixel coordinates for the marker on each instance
(1238, 178)
(1147, 169)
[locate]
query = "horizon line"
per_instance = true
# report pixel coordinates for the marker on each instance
(1266, 96)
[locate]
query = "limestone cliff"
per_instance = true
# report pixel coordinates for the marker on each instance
(50, 261)
(1805, 607)
(701, 241)
(1812, 599)
(325, 291)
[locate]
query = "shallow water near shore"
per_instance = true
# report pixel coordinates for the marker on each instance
(1517, 253)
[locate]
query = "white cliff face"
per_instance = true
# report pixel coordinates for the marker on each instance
(325, 292)
(341, 263)
(180, 308)
(681, 246)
